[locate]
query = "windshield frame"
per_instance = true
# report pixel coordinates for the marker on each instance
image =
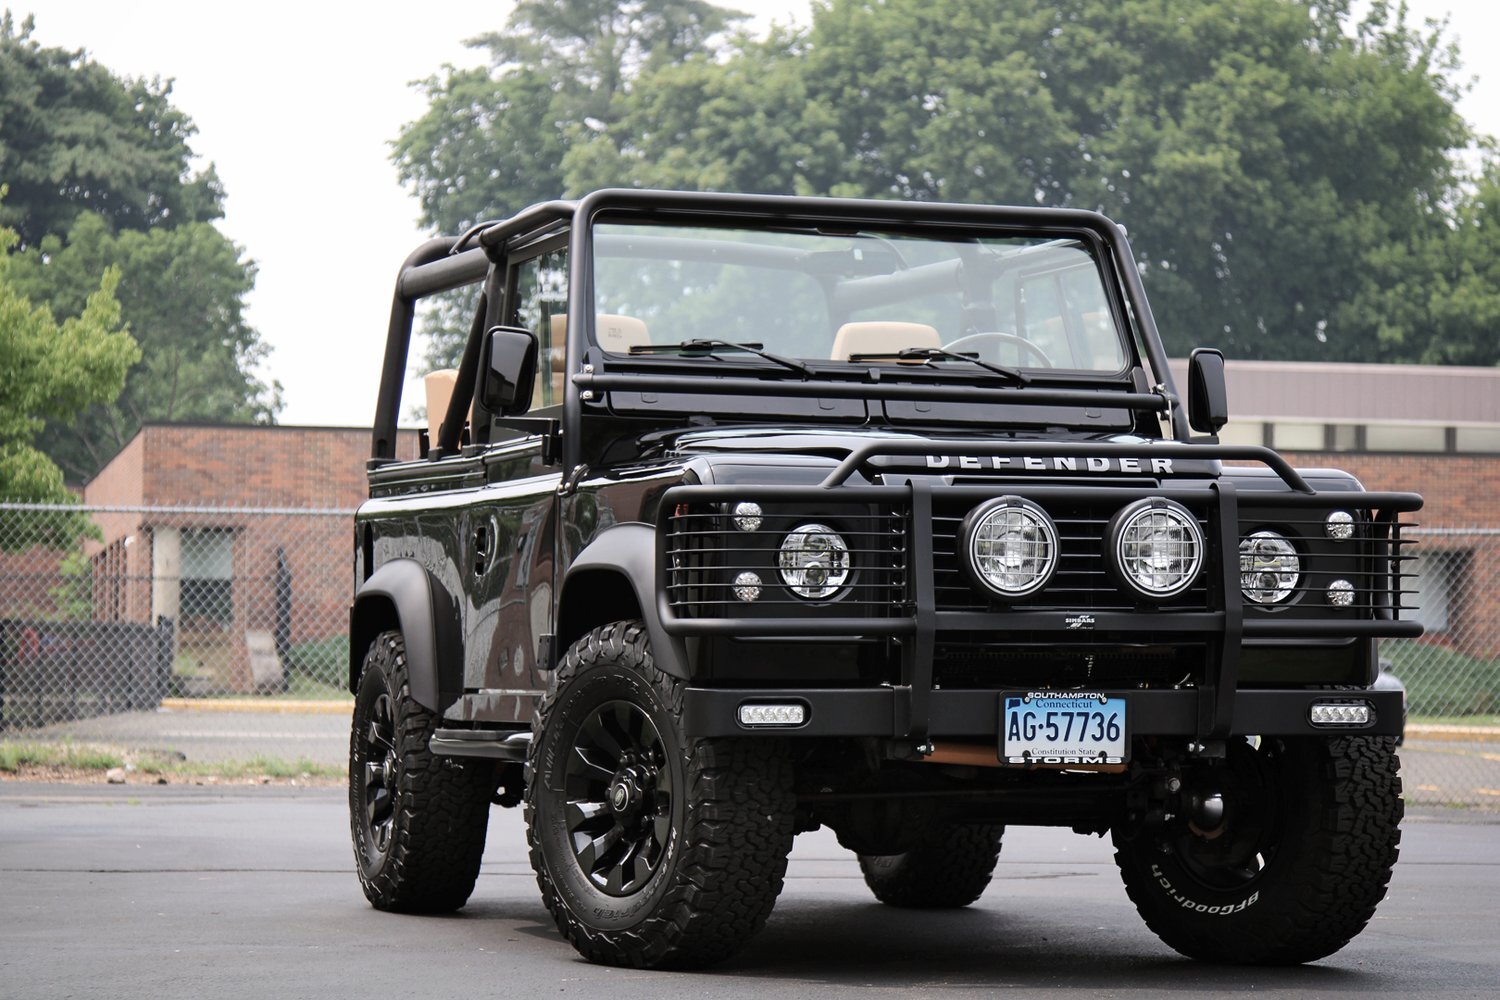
(965, 283)
(1144, 385)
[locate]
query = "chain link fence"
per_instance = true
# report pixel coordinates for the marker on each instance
(178, 628)
(219, 632)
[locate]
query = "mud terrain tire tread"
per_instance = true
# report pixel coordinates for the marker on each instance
(951, 868)
(734, 845)
(441, 810)
(1324, 891)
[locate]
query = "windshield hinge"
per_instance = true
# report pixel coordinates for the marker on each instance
(569, 485)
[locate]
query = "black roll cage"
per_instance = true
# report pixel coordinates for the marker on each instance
(479, 255)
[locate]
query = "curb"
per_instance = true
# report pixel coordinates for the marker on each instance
(278, 706)
(1454, 734)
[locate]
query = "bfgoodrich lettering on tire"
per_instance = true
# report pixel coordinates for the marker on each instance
(1294, 869)
(418, 820)
(650, 849)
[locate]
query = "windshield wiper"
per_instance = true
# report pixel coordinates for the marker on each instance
(706, 348)
(931, 354)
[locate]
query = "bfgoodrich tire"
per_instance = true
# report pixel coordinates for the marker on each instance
(1304, 851)
(950, 868)
(651, 849)
(418, 820)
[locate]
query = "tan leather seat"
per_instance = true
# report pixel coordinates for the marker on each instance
(881, 337)
(617, 334)
(439, 386)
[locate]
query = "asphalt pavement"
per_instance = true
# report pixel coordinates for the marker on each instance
(168, 892)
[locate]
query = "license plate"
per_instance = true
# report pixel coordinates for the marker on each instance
(1062, 728)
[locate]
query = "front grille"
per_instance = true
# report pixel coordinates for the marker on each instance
(706, 552)
(1084, 580)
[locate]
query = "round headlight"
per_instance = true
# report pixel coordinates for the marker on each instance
(1269, 567)
(814, 561)
(1158, 547)
(1012, 546)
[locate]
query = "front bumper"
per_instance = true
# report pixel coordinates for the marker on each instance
(974, 715)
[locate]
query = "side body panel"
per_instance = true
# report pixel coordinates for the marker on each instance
(478, 532)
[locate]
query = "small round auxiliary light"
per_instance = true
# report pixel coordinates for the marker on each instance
(1340, 525)
(747, 587)
(1157, 546)
(747, 515)
(1341, 593)
(1011, 545)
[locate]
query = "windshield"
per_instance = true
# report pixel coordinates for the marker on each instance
(1034, 303)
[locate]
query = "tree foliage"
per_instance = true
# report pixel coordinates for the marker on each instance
(181, 292)
(1287, 173)
(100, 183)
(75, 138)
(498, 138)
(53, 370)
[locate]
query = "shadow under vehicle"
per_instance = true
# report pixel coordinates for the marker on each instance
(746, 515)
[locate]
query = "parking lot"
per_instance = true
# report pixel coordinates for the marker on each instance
(193, 892)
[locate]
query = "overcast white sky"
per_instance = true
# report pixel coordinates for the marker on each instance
(296, 103)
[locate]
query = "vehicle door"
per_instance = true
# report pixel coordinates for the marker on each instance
(512, 527)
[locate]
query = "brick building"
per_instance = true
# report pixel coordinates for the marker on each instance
(1427, 429)
(240, 535)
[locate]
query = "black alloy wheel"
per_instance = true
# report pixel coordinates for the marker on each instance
(375, 759)
(1280, 852)
(619, 798)
(651, 848)
(1233, 828)
(417, 820)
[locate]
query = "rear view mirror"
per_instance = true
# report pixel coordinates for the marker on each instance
(509, 370)
(1208, 396)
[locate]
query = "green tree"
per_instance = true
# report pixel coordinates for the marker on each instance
(100, 182)
(1282, 168)
(1435, 297)
(181, 294)
(53, 369)
(1259, 151)
(75, 138)
(496, 139)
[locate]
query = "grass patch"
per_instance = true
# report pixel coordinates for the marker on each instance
(19, 757)
(321, 661)
(1442, 683)
(254, 767)
(15, 756)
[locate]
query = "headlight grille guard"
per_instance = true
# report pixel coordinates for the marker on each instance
(918, 619)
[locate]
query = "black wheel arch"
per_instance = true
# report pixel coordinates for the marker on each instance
(402, 595)
(614, 579)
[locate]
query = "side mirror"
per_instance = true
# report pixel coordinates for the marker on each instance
(509, 372)
(1208, 396)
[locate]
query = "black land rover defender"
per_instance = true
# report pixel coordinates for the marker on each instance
(747, 515)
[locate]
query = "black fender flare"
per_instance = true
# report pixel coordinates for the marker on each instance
(401, 594)
(625, 551)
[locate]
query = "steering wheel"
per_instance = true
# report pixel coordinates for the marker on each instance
(975, 339)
